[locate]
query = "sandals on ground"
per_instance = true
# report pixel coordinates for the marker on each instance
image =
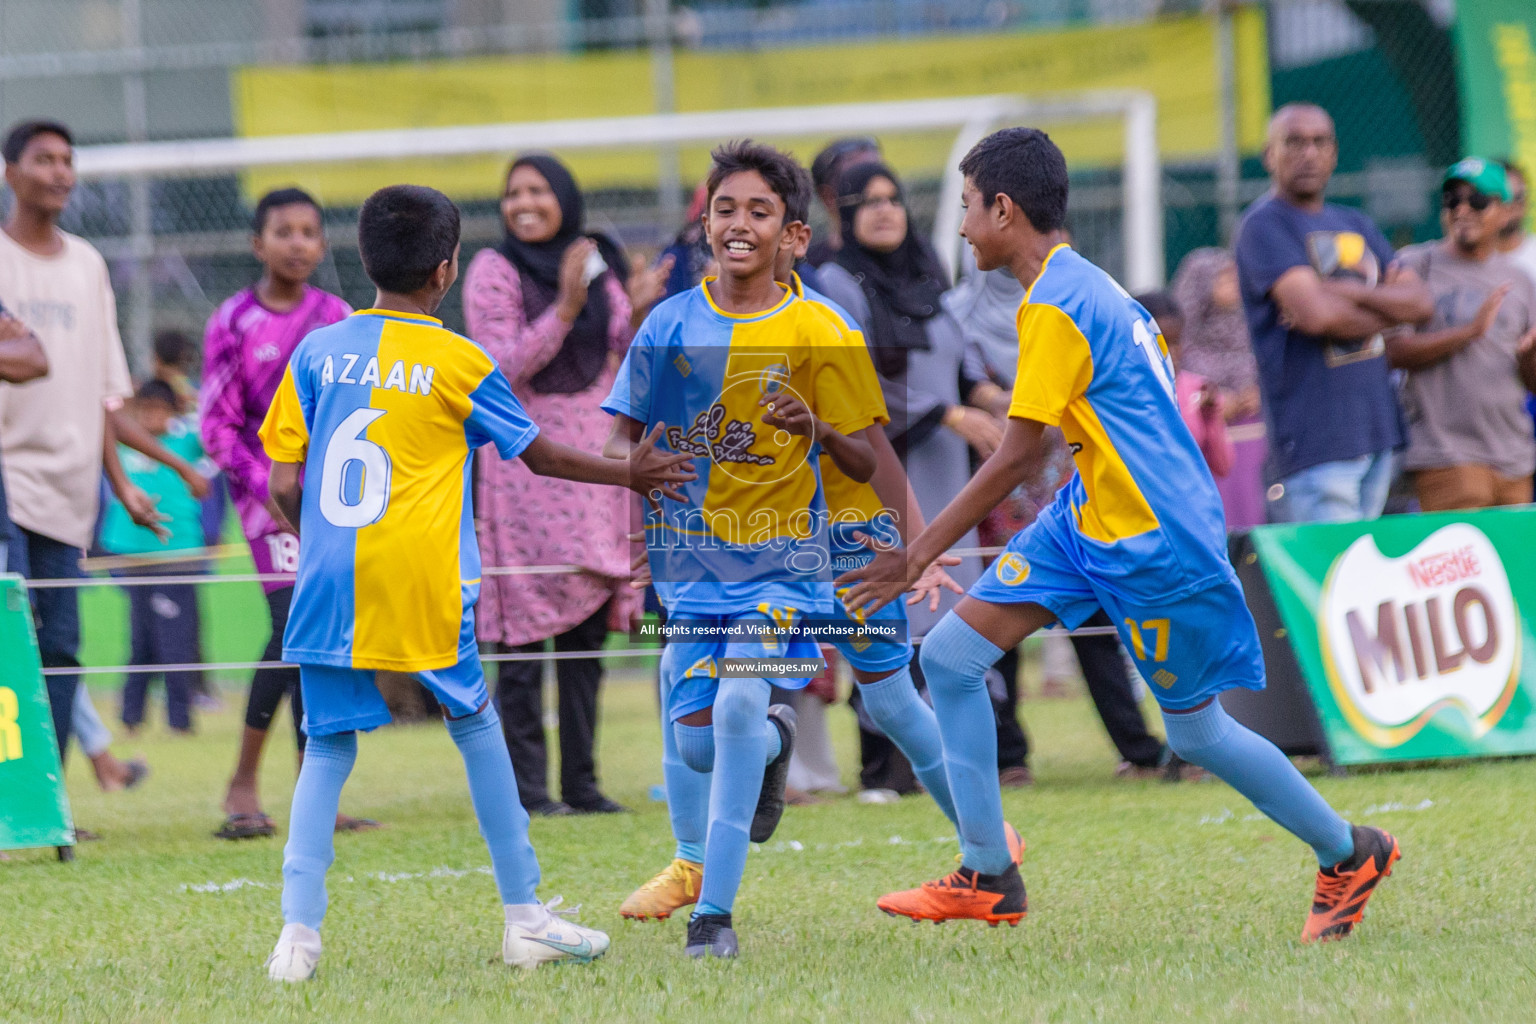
(246, 826)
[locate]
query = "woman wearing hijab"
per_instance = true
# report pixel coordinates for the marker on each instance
(1216, 346)
(891, 282)
(557, 322)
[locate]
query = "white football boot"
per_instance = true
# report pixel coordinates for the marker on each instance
(296, 954)
(538, 933)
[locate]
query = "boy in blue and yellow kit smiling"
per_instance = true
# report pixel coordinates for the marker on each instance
(759, 384)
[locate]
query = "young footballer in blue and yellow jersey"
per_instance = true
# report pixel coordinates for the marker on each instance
(883, 507)
(371, 434)
(1137, 531)
(756, 384)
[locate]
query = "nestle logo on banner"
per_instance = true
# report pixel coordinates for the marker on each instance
(1404, 637)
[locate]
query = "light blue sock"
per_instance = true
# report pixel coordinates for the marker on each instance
(955, 660)
(311, 846)
(687, 790)
(1255, 768)
(695, 745)
(741, 744)
(894, 705)
(493, 791)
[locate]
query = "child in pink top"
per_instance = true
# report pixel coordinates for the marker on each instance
(1200, 403)
(245, 351)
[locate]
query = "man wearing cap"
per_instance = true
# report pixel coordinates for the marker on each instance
(1469, 368)
(1319, 285)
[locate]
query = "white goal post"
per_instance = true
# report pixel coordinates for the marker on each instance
(972, 116)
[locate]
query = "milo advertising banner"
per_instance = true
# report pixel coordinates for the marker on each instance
(33, 808)
(1410, 632)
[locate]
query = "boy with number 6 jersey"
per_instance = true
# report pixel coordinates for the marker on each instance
(370, 436)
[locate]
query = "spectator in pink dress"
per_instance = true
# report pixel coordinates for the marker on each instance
(245, 351)
(556, 307)
(1201, 403)
(1216, 346)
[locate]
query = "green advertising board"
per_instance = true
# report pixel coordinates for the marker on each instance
(33, 808)
(1496, 68)
(1413, 633)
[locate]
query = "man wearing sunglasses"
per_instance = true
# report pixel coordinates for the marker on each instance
(1471, 366)
(1320, 284)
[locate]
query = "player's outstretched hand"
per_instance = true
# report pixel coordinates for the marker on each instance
(934, 581)
(882, 580)
(656, 473)
(788, 413)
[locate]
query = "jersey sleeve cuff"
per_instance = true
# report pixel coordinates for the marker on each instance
(1034, 412)
(517, 445)
(616, 408)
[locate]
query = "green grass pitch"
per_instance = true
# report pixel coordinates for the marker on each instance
(1147, 902)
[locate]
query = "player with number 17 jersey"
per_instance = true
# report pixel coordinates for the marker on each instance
(1138, 530)
(385, 409)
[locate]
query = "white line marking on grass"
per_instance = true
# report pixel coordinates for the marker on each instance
(239, 883)
(1391, 806)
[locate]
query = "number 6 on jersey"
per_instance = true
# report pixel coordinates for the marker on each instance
(354, 479)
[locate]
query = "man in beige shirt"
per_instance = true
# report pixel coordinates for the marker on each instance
(58, 433)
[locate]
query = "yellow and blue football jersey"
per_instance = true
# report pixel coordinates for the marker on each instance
(855, 508)
(754, 528)
(384, 410)
(1147, 516)
(849, 501)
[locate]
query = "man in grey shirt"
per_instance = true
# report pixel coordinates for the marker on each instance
(1469, 368)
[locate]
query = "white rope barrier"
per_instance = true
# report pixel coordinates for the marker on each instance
(86, 582)
(275, 577)
(193, 579)
(618, 652)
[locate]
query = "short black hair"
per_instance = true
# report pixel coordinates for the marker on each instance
(173, 347)
(1510, 167)
(1160, 304)
(826, 169)
(156, 391)
(1026, 166)
(25, 131)
(280, 197)
(404, 232)
(780, 170)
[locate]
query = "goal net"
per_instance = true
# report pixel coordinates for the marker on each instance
(173, 217)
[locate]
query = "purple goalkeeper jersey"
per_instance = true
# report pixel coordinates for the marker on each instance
(245, 351)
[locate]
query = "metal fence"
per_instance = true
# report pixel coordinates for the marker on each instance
(160, 69)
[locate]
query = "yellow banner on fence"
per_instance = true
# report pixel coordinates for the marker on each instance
(1173, 58)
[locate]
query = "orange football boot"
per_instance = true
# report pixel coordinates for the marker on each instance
(963, 895)
(1342, 890)
(675, 888)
